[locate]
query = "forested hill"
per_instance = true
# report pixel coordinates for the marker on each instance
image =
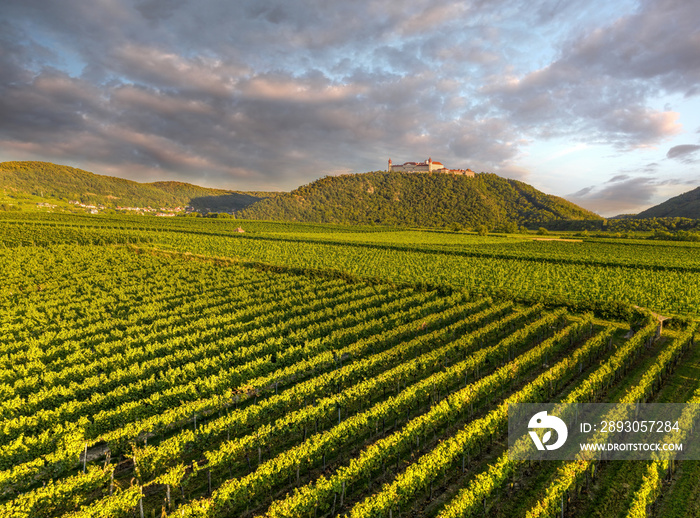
(425, 200)
(60, 182)
(686, 205)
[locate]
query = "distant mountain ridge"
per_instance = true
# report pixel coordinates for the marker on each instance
(418, 199)
(686, 205)
(52, 181)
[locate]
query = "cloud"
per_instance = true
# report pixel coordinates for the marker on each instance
(600, 83)
(658, 44)
(168, 70)
(271, 93)
(41, 110)
(683, 152)
(263, 94)
(620, 195)
(561, 101)
(158, 10)
(639, 127)
(629, 194)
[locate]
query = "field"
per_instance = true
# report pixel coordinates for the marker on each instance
(173, 366)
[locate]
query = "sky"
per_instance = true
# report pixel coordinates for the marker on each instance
(591, 100)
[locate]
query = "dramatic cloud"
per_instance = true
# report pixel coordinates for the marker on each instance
(266, 94)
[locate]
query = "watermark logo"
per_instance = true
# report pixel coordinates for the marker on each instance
(610, 431)
(542, 420)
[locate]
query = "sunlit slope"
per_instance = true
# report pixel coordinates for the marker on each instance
(686, 205)
(63, 183)
(428, 200)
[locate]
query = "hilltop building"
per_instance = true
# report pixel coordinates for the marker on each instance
(426, 167)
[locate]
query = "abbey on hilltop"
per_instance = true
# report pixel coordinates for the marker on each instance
(426, 167)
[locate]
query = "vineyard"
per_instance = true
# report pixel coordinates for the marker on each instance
(152, 368)
(604, 276)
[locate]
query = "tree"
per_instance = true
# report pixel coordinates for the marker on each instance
(510, 227)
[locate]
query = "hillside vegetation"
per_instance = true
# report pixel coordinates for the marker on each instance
(686, 205)
(426, 200)
(60, 182)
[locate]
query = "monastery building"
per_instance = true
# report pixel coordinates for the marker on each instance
(426, 167)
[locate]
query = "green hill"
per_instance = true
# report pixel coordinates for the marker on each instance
(686, 205)
(56, 183)
(424, 200)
